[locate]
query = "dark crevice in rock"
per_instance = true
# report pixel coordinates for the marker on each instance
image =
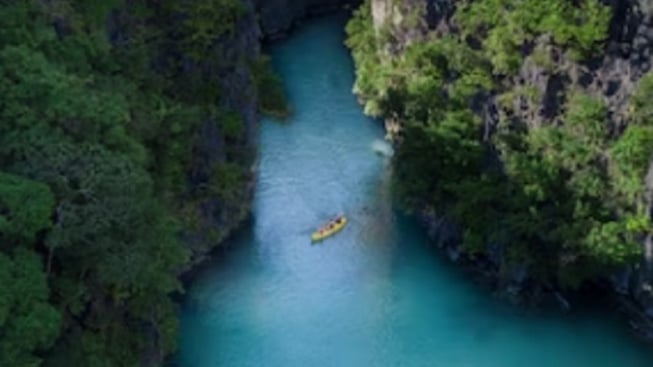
(612, 87)
(553, 97)
(438, 11)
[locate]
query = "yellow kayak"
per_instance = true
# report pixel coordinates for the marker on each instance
(329, 229)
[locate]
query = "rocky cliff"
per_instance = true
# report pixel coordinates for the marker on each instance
(259, 20)
(216, 217)
(547, 71)
(211, 147)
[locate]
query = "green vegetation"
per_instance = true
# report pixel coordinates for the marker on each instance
(370, 78)
(101, 106)
(504, 26)
(28, 322)
(564, 198)
(272, 101)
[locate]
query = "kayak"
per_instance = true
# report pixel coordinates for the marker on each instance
(329, 229)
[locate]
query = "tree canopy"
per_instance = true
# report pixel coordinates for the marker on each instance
(102, 103)
(564, 198)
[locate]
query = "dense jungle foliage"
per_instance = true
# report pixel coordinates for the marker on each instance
(101, 101)
(564, 198)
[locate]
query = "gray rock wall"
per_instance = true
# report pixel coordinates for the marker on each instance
(262, 19)
(612, 77)
(239, 95)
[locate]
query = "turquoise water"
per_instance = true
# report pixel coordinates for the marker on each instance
(375, 294)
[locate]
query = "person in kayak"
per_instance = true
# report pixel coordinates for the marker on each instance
(332, 224)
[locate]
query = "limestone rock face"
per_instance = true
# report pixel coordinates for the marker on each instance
(547, 72)
(262, 19)
(209, 149)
